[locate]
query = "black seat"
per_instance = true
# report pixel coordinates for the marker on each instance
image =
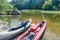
(41, 23)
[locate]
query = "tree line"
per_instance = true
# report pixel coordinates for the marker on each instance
(30, 4)
(37, 4)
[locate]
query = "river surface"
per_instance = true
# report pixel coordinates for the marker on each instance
(52, 31)
(50, 35)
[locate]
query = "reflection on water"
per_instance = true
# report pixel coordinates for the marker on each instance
(14, 22)
(8, 21)
(53, 24)
(50, 35)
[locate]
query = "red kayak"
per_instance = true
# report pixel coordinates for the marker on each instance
(34, 33)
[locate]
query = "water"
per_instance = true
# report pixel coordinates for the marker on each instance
(53, 25)
(50, 35)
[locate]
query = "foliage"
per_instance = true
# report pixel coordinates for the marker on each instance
(4, 6)
(51, 5)
(28, 4)
(47, 5)
(37, 4)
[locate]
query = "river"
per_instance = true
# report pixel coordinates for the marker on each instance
(53, 27)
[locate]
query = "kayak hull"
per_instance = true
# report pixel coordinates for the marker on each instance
(10, 34)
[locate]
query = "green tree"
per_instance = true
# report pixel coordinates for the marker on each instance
(47, 5)
(4, 6)
(59, 4)
(51, 5)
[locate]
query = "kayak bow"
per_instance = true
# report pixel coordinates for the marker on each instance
(14, 32)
